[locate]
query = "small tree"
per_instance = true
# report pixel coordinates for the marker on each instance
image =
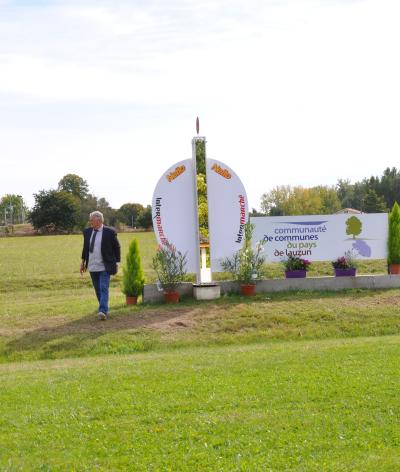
(133, 276)
(394, 235)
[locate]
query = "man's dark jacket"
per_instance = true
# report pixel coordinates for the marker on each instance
(110, 248)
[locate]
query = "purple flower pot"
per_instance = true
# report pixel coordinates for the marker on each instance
(345, 272)
(295, 274)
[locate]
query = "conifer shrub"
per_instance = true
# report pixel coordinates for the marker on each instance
(394, 235)
(133, 275)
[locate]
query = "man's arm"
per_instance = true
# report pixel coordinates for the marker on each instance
(83, 257)
(116, 247)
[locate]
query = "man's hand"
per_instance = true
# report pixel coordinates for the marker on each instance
(83, 268)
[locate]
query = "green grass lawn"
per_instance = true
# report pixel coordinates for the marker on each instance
(301, 406)
(296, 381)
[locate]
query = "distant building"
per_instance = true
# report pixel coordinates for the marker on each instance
(352, 211)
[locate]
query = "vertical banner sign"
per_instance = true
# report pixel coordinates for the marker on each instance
(227, 211)
(173, 209)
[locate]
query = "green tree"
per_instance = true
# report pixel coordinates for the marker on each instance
(351, 195)
(394, 235)
(129, 212)
(110, 215)
(87, 205)
(145, 218)
(287, 200)
(273, 203)
(75, 185)
(388, 186)
(133, 276)
(373, 203)
(344, 191)
(303, 201)
(255, 212)
(54, 208)
(12, 209)
(330, 202)
(353, 226)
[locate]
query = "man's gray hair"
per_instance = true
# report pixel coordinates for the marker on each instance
(98, 215)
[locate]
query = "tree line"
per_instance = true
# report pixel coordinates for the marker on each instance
(370, 195)
(67, 208)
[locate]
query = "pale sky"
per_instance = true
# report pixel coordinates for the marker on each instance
(298, 92)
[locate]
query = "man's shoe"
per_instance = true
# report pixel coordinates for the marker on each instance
(102, 316)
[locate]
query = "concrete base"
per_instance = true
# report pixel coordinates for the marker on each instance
(152, 295)
(206, 291)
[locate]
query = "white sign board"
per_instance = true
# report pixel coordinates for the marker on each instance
(323, 237)
(227, 211)
(174, 211)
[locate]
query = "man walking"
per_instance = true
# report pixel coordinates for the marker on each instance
(100, 255)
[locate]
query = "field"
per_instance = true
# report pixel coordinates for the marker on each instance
(288, 381)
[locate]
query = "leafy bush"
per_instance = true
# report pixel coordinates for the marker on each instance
(247, 264)
(170, 266)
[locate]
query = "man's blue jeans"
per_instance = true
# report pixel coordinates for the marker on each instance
(101, 284)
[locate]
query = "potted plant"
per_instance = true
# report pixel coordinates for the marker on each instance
(247, 264)
(133, 277)
(345, 265)
(170, 266)
(394, 240)
(296, 267)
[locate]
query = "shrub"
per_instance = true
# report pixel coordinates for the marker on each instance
(394, 235)
(133, 276)
(247, 264)
(170, 266)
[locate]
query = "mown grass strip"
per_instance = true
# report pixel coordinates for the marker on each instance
(321, 405)
(64, 324)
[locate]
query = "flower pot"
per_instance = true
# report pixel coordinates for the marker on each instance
(247, 289)
(295, 274)
(171, 297)
(394, 269)
(350, 272)
(131, 300)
